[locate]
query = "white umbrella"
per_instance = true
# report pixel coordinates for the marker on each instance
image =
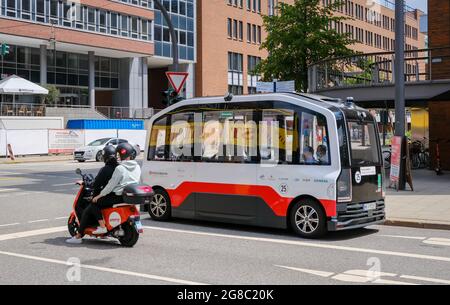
(16, 85)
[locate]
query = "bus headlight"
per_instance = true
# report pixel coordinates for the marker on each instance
(344, 186)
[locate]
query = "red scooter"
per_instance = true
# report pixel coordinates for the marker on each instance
(122, 220)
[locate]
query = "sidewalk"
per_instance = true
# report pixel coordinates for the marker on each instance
(34, 159)
(427, 207)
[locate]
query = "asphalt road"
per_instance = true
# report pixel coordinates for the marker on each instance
(36, 199)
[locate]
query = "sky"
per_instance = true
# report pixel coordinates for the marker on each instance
(420, 4)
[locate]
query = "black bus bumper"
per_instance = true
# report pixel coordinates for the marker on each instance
(354, 215)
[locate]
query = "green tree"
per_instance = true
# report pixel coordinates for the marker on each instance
(299, 36)
(52, 97)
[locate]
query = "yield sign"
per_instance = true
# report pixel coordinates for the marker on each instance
(177, 79)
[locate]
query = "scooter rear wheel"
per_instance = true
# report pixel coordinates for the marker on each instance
(130, 237)
(72, 226)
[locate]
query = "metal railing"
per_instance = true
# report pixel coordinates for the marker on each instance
(374, 69)
(22, 109)
(111, 112)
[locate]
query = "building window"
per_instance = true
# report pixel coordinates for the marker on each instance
(235, 72)
(272, 7)
(241, 30)
(252, 76)
(74, 15)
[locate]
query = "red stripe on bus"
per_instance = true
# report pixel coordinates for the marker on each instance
(277, 203)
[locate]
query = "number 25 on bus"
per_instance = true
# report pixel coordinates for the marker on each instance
(278, 160)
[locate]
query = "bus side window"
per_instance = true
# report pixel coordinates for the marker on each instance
(157, 145)
(278, 137)
(229, 136)
(181, 137)
(314, 147)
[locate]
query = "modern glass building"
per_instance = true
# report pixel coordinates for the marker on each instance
(98, 52)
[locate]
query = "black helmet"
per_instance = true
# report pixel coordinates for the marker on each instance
(125, 150)
(108, 153)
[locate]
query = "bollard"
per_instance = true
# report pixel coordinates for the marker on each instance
(10, 151)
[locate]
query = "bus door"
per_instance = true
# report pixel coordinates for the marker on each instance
(294, 149)
(171, 156)
(226, 169)
(366, 165)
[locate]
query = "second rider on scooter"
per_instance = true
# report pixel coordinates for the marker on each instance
(127, 172)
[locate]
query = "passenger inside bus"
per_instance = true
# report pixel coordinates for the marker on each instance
(308, 155)
(322, 154)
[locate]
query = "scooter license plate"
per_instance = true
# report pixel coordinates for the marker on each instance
(138, 225)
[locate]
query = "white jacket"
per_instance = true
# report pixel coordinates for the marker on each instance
(127, 172)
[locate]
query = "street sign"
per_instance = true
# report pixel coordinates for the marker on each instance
(177, 80)
(264, 87)
(287, 86)
(396, 152)
(276, 86)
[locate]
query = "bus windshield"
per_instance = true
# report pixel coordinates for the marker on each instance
(364, 146)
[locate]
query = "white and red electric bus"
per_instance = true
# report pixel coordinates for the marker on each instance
(278, 160)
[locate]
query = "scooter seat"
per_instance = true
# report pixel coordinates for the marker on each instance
(122, 205)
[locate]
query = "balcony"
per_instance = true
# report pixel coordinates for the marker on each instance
(371, 77)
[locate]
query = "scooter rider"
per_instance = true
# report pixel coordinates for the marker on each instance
(85, 211)
(128, 172)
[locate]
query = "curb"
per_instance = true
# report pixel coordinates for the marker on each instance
(417, 224)
(35, 161)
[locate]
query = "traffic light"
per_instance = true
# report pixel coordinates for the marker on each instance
(5, 49)
(170, 97)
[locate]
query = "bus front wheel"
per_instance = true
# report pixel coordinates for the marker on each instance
(308, 219)
(160, 207)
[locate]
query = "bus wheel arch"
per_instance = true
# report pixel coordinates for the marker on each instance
(311, 204)
(160, 208)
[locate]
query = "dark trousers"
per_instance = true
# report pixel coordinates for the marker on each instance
(93, 213)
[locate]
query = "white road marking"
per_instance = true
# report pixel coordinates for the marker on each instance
(363, 276)
(8, 190)
(425, 279)
(38, 220)
(431, 241)
(353, 276)
(104, 269)
(405, 237)
(309, 244)
(23, 194)
(64, 184)
(58, 218)
(437, 241)
(309, 271)
(10, 224)
(32, 233)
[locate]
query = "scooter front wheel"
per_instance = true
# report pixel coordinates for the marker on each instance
(72, 226)
(130, 236)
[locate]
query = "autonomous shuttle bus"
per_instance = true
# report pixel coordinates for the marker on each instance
(278, 160)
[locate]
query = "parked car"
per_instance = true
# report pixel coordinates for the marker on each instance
(93, 151)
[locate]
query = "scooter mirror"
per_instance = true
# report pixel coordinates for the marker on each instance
(78, 171)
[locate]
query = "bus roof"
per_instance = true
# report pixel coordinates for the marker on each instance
(316, 100)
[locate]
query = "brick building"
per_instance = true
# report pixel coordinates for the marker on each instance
(439, 106)
(230, 33)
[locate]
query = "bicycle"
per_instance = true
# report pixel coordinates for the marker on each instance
(420, 155)
(387, 159)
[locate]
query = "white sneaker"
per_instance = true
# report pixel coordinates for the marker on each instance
(74, 241)
(100, 231)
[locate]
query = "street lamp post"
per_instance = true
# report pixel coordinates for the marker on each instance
(400, 84)
(172, 31)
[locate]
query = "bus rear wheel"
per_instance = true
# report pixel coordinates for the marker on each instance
(308, 219)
